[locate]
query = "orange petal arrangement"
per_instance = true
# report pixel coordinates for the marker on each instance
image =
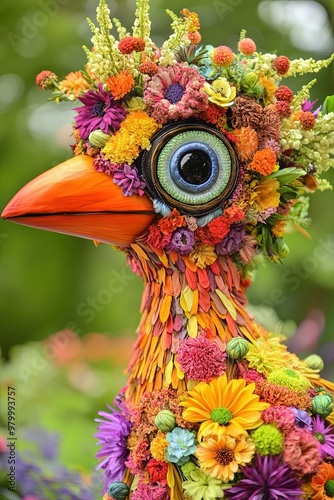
(194, 160)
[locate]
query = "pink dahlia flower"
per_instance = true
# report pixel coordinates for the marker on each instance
(174, 93)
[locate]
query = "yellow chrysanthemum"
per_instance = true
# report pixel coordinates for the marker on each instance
(159, 447)
(203, 256)
(223, 407)
(267, 353)
(134, 134)
(222, 457)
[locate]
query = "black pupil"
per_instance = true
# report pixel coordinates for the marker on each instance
(195, 167)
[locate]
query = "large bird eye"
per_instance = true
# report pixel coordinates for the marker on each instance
(190, 166)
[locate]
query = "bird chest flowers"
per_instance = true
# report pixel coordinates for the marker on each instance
(195, 160)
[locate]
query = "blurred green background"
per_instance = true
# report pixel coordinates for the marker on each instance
(51, 282)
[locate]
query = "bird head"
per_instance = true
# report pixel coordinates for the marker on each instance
(187, 147)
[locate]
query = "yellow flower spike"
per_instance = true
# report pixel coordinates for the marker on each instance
(220, 92)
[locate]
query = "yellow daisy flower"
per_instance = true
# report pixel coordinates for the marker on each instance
(223, 407)
(222, 457)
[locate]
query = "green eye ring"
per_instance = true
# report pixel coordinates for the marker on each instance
(190, 166)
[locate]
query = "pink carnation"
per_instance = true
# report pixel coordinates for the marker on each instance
(201, 359)
(282, 417)
(150, 492)
(302, 451)
(175, 93)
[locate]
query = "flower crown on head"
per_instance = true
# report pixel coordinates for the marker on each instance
(279, 142)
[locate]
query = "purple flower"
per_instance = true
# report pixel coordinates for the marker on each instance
(325, 437)
(269, 478)
(182, 241)
(302, 419)
(130, 181)
(308, 105)
(233, 240)
(100, 111)
(112, 434)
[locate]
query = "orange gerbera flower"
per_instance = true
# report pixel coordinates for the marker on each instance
(222, 457)
(323, 482)
(223, 407)
(120, 84)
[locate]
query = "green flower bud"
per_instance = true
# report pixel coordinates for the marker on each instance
(237, 348)
(322, 404)
(282, 248)
(314, 362)
(118, 490)
(98, 139)
(250, 79)
(165, 421)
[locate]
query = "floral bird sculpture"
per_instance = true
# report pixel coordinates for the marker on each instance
(194, 160)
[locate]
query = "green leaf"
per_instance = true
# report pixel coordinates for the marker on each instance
(328, 105)
(287, 175)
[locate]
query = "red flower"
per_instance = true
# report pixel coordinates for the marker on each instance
(307, 120)
(45, 79)
(156, 239)
(131, 44)
(174, 220)
(157, 471)
(234, 213)
(148, 68)
(284, 93)
(281, 65)
(219, 227)
(283, 108)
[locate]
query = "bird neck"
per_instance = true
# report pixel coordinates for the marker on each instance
(184, 296)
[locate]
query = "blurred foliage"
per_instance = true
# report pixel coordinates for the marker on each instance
(50, 282)
(60, 385)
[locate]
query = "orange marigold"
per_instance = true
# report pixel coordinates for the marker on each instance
(174, 220)
(307, 120)
(247, 46)
(222, 56)
(74, 84)
(264, 162)
(121, 84)
(247, 143)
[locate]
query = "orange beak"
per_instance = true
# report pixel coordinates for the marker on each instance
(73, 198)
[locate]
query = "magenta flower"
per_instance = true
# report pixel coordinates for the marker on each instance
(112, 435)
(174, 93)
(100, 111)
(150, 492)
(201, 359)
(308, 106)
(325, 437)
(269, 478)
(102, 165)
(130, 181)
